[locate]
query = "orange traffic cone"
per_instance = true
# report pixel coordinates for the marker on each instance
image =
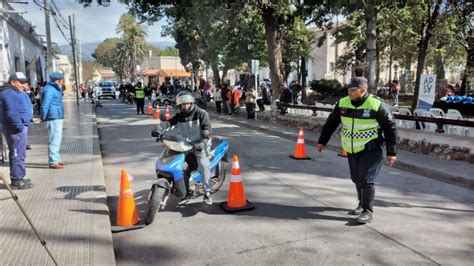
(300, 150)
(167, 114)
(236, 200)
(127, 214)
(150, 109)
(157, 112)
(343, 153)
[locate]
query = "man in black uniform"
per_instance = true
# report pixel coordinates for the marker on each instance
(366, 124)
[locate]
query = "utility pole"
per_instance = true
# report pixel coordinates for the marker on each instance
(72, 27)
(49, 54)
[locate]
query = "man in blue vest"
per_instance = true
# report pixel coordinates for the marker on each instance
(16, 117)
(367, 124)
(52, 113)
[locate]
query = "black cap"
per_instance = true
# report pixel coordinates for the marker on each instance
(359, 82)
(18, 76)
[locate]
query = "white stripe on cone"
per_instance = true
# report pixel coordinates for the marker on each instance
(300, 141)
(126, 192)
(235, 178)
(235, 165)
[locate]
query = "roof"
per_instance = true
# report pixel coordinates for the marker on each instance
(177, 73)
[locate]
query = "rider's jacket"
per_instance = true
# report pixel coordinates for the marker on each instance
(366, 124)
(194, 125)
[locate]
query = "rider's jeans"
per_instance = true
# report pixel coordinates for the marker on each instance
(203, 160)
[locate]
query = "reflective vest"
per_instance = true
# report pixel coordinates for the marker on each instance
(359, 124)
(139, 93)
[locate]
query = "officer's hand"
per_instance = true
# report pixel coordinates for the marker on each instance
(391, 160)
(321, 147)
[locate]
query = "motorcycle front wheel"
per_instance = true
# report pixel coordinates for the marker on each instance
(218, 178)
(157, 196)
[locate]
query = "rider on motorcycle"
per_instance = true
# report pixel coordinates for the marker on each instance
(194, 124)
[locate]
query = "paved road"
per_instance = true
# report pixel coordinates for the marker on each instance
(301, 206)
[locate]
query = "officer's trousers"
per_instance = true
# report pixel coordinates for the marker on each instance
(365, 166)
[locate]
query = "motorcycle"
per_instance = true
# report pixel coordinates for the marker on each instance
(172, 169)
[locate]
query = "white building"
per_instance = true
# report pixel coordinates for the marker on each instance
(20, 47)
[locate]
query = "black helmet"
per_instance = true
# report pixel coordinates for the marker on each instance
(184, 97)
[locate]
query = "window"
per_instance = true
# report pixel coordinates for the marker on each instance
(17, 64)
(331, 66)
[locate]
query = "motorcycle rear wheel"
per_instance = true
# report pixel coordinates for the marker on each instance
(158, 194)
(217, 180)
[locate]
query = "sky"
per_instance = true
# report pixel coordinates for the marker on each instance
(93, 24)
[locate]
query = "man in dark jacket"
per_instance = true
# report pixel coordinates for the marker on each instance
(366, 124)
(16, 117)
(52, 113)
(285, 97)
(194, 124)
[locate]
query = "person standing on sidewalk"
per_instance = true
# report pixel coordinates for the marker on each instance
(250, 96)
(366, 124)
(218, 99)
(16, 117)
(30, 96)
(52, 113)
(140, 98)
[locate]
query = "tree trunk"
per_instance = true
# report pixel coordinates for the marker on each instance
(270, 20)
(224, 75)
(426, 33)
(371, 21)
(358, 67)
(377, 71)
(468, 71)
(217, 78)
(303, 78)
(440, 73)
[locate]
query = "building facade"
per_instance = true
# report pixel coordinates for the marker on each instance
(20, 47)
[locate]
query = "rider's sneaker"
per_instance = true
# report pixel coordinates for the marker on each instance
(207, 198)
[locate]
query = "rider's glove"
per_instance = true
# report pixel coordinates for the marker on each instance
(155, 133)
(200, 146)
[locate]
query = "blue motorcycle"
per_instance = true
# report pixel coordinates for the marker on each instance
(172, 170)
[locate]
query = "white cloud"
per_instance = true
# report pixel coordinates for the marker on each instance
(94, 23)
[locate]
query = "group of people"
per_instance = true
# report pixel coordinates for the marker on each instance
(228, 99)
(16, 108)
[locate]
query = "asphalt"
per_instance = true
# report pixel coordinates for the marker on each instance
(68, 207)
(453, 172)
(300, 216)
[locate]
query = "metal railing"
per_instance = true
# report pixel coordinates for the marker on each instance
(439, 121)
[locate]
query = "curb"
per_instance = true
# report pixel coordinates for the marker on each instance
(412, 168)
(101, 254)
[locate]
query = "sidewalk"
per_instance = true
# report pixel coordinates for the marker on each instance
(453, 172)
(68, 207)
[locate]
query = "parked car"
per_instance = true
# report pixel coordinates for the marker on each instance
(108, 89)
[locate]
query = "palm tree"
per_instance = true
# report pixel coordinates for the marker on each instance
(133, 36)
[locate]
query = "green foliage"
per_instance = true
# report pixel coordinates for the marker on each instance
(169, 51)
(106, 52)
(327, 87)
(296, 42)
(132, 49)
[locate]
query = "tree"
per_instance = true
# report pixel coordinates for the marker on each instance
(464, 9)
(106, 52)
(133, 37)
(430, 13)
(169, 51)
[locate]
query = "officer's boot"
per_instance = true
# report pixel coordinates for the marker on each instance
(367, 205)
(358, 210)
